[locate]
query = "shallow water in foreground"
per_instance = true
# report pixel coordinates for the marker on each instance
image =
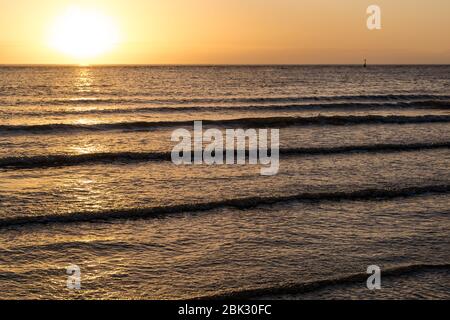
(364, 180)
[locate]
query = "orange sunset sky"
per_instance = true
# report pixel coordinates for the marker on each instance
(222, 32)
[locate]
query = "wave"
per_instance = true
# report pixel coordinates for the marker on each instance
(62, 160)
(190, 100)
(268, 122)
(429, 104)
(306, 287)
(239, 203)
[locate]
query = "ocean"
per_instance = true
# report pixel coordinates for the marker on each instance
(86, 180)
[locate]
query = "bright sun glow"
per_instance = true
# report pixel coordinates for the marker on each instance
(83, 34)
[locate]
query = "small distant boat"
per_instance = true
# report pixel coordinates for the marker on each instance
(365, 63)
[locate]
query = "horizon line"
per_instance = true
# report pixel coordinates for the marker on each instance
(209, 64)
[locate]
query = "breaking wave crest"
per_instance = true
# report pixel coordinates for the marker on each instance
(62, 160)
(428, 104)
(242, 122)
(306, 287)
(130, 99)
(238, 203)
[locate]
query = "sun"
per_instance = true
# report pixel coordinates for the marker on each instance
(83, 33)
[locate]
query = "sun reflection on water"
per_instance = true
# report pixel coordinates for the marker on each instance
(84, 80)
(85, 121)
(85, 149)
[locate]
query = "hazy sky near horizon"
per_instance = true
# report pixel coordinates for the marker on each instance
(236, 31)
